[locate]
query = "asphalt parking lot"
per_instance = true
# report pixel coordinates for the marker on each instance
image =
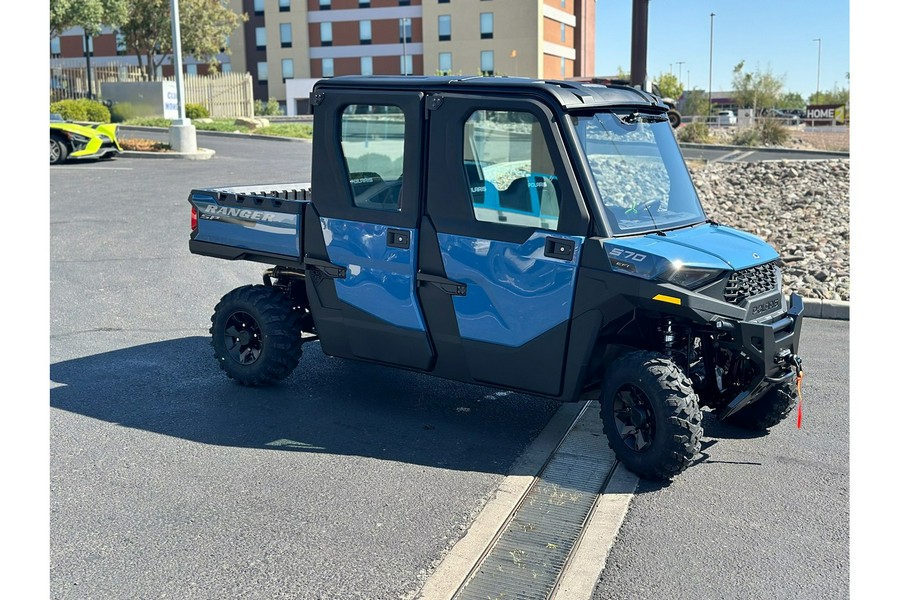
(349, 480)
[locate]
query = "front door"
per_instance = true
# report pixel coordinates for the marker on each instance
(500, 242)
(361, 231)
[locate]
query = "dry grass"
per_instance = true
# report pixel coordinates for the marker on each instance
(141, 145)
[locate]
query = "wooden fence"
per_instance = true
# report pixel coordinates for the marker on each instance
(225, 95)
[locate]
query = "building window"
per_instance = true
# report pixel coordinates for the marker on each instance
(443, 1)
(365, 3)
(445, 62)
(405, 30)
(487, 26)
(287, 68)
(284, 5)
(327, 67)
(403, 2)
(259, 7)
(406, 64)
(375, 180)
(562, 32)
(365, 32)
(365, 65)
(508, 174)
(324, 4)
(325, 33)
(190, 69)
(487, 62)
(444, 28)
(287, 35)
(55, 50)
(562, 67)
(260, 38)
(87, 45)
(226, 67)
(121, 45)
(262, 71)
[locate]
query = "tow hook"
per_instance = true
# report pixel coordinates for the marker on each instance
(796, 362)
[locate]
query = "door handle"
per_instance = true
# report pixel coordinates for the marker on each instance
(398, 238)
(330, 270)
(448, 286)
(559, 248)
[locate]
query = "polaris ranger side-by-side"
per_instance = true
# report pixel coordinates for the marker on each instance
(540, 236)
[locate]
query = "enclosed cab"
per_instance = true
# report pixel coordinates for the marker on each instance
(539, 236)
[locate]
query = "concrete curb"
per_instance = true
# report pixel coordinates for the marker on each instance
(826, 309)
(832, 153)
(200, 154)
(257, 136)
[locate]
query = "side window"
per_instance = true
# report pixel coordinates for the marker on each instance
(372, 137)
(510, 175)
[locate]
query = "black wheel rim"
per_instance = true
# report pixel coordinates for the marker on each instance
(243, 338)
(634, 418)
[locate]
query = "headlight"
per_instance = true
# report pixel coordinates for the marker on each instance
(689, 277)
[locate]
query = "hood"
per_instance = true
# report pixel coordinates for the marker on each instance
(704, 246)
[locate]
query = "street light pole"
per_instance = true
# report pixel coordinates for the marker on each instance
(403, 31)
(709, 107)
(182, 134)
(679, 63)
(818, 66)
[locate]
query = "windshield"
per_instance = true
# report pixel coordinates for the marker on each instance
(641, 177)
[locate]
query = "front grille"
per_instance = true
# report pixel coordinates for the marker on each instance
(751, 282)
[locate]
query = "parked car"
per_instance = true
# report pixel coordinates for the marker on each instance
(73, 141)
(785, 117)
(726, 117)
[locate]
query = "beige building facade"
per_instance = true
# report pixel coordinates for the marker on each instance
(312, 39)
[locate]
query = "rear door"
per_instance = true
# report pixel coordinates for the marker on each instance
(361, 230)
(500, 242)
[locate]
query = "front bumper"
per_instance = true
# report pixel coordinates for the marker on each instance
(773, 347)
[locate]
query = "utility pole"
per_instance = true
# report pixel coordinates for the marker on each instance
(818, 66)
(709, 107)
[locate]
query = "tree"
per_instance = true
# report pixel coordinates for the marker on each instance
(696, 102)
(205, 27)
(758, 90)
(834, 96)
(669, 86)
(91, 15)
(792, 100)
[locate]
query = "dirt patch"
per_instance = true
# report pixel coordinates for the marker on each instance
(812, 139)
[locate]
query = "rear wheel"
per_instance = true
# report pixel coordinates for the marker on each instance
(58, 150)
(770, 410)
(650, 414)
(256, 334)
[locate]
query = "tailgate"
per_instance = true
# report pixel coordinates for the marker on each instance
(261, 223)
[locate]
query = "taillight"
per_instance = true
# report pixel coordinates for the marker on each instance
(193, 218)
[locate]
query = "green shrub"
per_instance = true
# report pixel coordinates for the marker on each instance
(81, 109)
(773, 133)
(748, 136)
(122, 111)
(195, 111)
(765, 132)
(270, 108)
(694, 133)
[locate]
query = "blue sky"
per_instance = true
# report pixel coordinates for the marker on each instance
(768, 35)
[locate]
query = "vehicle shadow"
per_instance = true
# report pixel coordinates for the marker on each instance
(326, 405)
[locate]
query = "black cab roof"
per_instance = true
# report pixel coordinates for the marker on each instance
(569, 95)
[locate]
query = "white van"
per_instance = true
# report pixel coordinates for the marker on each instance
(726, 117)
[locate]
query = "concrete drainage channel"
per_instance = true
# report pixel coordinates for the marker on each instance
(548, 535)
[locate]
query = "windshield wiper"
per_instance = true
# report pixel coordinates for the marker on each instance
(637, 117)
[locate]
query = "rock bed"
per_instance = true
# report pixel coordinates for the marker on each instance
(802, 208)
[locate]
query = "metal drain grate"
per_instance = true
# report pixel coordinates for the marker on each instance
(528, 557)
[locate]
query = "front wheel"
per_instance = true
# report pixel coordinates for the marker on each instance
(771, 409)
(650, 414)
(256, 334)
(58, 150)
